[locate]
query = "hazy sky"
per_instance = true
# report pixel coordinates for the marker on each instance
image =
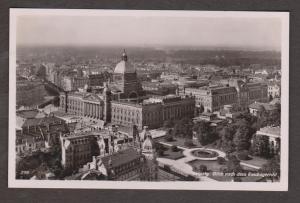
(149, 31)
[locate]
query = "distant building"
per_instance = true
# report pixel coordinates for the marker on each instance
(247, 92)
(71, 83)
(257, 92)
(98, 79)
(159, 88)
(257, 108)
(274, 90)
(261, 72)
(168, 76)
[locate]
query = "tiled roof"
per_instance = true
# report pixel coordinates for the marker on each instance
(121, 157)
(260, 106)
(270, 130)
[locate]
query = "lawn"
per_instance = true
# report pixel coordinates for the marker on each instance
(180, 142)
(256, 161)
(174, 155)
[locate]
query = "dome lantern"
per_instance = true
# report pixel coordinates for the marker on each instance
(124, 55)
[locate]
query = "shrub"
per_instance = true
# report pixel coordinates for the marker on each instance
(221, 160)
(188, 143)
(202, 168)
(169, 138)
(174, 148)
(243, 155)
(160, 152)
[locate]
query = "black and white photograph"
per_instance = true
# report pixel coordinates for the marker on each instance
(136, 99)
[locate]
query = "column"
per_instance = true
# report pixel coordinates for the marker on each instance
(94, 110)
(91, 114)
(97, 111)
(90, 110)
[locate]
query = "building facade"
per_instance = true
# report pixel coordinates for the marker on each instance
(152, 112)
(273, 136)
(76, 150)
(274, 90)
(87, 104)
(213, 98)
(235, 92)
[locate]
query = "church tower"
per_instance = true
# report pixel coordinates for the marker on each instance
(148, 150)
(107, 103)
(148, 147)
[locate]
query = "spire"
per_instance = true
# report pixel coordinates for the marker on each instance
(124, 55)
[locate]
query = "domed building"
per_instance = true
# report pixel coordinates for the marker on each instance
(125, 82)
(150, 171)
(148, 148)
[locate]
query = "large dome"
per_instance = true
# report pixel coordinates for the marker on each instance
(124, 67)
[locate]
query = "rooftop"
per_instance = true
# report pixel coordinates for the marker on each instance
(270, 130)
(32, 113)
(259, 106)
(42, 121)
(121, 157)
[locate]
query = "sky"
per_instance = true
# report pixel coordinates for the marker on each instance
(154, 31)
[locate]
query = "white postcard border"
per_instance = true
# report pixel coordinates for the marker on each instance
(244, 186)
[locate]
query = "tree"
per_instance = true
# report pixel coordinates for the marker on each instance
(188, 143)
(276, 117)
(174, 148)
(242, 138)
(202, 168)
(221, 160)
(159, 148)
(169, 137)
(233, 164)
(243, 155)
(204, 133)
(261, 146)
(272, 166)
(226, 141)
(168, 123)
(183, 128)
